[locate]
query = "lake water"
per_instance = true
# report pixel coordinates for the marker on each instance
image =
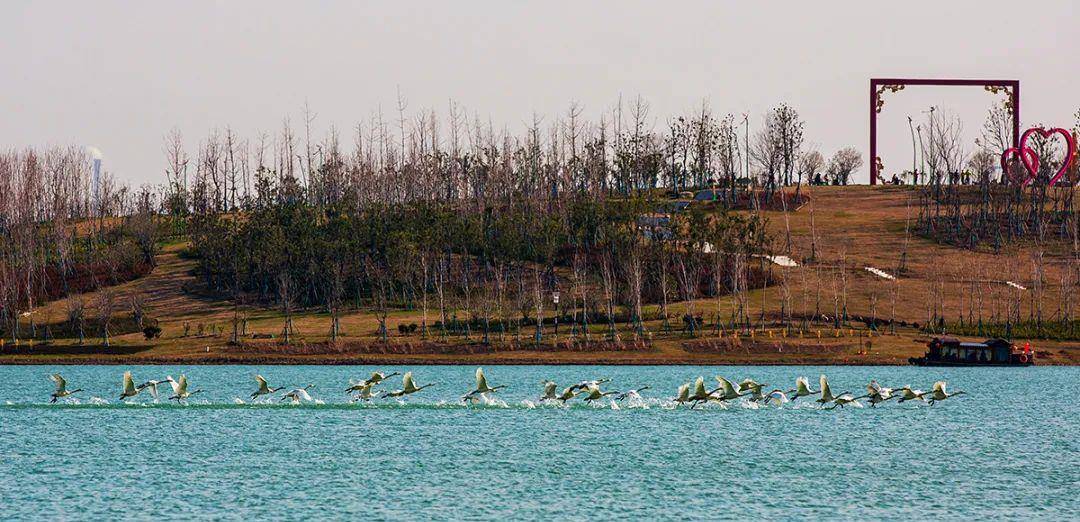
(1009, 449)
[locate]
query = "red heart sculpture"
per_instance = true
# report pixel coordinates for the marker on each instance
(1005, 156)
(1033, 166)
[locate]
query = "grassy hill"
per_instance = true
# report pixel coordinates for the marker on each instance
(853, 228)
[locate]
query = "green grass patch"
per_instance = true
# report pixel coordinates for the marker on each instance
(1049, 330)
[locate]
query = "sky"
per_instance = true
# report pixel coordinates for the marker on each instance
(119, 75)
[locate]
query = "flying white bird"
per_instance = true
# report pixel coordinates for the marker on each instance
(802, 389)
(61, 387)
(481, 386)
(877, 394)
(753, 387)
(727, 391)
(567, 394)
(365, 387)
(299, 394)
(264, 388)
(939, 393)
(593, 393)
(549, 391)
(684, 393)
(775, 397)
(363, 392)
(631, 393)
(700, 394)
(589, 384)
(179, 388)
(826, 392)
(367, 384)
(378, 377)
(845, 398)
(152, 386)
(130, 390)
(407, 387)
(907, 394)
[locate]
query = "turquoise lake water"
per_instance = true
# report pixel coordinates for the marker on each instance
(1009, 449)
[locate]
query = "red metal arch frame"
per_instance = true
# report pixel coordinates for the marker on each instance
(879, 85)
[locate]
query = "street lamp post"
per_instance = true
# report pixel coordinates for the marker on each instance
(555, 297)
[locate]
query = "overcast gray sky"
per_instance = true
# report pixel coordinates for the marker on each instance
(119, 75)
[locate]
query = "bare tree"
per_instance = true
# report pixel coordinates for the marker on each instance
(811, 166)
(137, 301)
(76, 313)
(285, 299)
(106, 307)
(997, 130)
(843, 164)
(982, 163)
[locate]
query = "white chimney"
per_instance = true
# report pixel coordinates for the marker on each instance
(95, 182)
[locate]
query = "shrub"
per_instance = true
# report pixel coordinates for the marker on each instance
(152, 332)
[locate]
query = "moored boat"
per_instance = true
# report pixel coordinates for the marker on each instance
(950, 351)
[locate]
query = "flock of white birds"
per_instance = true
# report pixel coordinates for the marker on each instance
(875, 393)
(588, 391)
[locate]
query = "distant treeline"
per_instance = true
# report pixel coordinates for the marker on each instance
(494, 264)
(454, 216)
(59, 238)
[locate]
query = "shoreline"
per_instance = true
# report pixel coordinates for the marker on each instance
(762, 350)
(504, 359)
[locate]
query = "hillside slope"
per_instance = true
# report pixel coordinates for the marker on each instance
(855, 227)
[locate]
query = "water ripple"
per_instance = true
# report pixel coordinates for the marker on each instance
(1007, 450)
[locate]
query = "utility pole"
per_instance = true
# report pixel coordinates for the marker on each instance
(746, 143)
(912, 129)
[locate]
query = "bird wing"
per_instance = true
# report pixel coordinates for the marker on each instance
(801, 386)
(699, 387)
(481, 381)
(263, 385)
(181, 387)
(549, 389)
(175, 385)
(684, 392)
(825, 391)
(939, 387)
(729, 388)
(60, 382)
(407, 382)
(304, 394)
(129, 384)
